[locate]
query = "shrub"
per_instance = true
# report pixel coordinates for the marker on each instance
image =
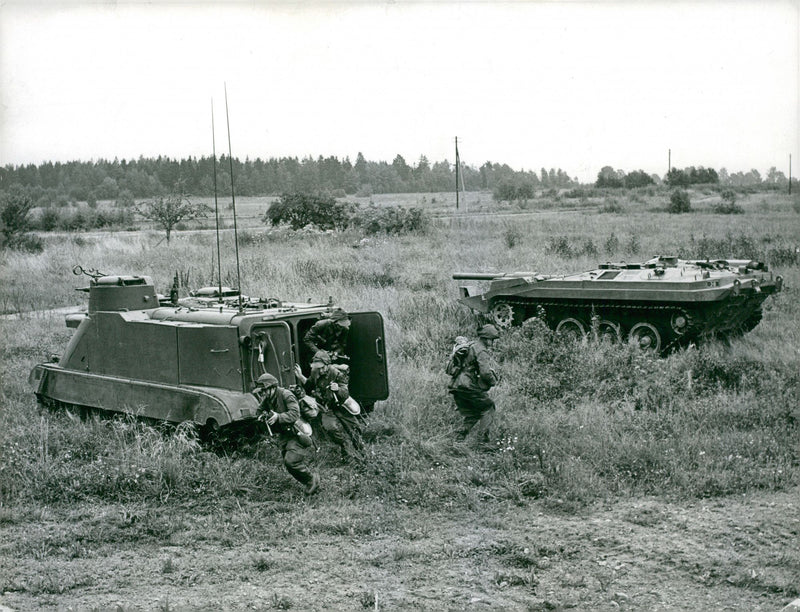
(611, 245)
(727, 208)
(679, 201)
(16, 204)
(637, 178)
(561, 246)
(589, 248)
(505, 192)
(49, 219)
(632, 247)
(125, 199)
(512, 236)
(298, 210)
(728, 204)
(577, 193)
(390, 219)
(30, 243)
(611, 205)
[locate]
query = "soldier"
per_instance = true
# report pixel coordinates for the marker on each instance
(279, 410)
(473, 373)
(329, 335)
(327, 383)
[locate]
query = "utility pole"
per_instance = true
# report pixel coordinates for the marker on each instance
(790, 174)
(669, 161)
(458, 164)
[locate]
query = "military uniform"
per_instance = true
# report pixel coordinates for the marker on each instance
(341, 426)
(328, 334)
(470, 384)
(294, 448)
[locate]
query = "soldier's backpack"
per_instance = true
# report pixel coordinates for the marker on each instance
(458, 357)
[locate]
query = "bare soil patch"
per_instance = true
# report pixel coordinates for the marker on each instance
(735, 553)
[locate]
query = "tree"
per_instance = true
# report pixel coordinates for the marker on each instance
(402, 168)
(608, 177)
(637, 178)
(168, 211)
(299, 210)
(505, 191)
(679, 201)
(775, 177)
(16, 204)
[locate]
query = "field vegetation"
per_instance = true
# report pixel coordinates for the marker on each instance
(583, 431)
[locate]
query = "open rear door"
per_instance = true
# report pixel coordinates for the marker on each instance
(271, 351)
(369, 381)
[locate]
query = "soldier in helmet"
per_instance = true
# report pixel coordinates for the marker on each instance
(327, 383)
(472, 375)
(329, 335)
(280, 411)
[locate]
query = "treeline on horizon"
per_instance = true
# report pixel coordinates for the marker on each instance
(123, 181)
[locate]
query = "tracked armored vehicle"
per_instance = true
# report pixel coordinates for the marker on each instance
(659, 304)
(130, 353)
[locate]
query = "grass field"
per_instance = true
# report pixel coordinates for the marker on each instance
(586, 434)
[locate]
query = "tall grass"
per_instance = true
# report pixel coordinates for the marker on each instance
(575, 423)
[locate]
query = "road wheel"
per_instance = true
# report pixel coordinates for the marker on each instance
(503, 314)
(572, 329)
(646, 336)
(680, 322)
(210, 433)
(608, 331)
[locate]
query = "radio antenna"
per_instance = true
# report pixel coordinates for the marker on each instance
(233, 199)
(216, 204)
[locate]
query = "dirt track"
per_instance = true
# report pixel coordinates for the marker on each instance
(725, 554)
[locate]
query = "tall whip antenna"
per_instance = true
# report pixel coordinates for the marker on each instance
(233, 199)
(216, 204)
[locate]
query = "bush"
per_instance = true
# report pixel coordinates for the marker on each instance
(611, 245)
(505, 192)
(30, 243)
(390, 220)
(14, 208)
(578, 193)
(727, 208)
(512, 236)
(728, 204)
(125, 199)
(298, 210)
(561, 246)
(679, 201)
(611, 205)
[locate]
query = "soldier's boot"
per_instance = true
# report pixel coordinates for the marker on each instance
(313, 486)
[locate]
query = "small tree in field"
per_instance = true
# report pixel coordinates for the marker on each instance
(14, 208)
(15, 205)
(679, 201)
(168, 211)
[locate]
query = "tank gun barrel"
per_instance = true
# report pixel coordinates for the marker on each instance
(475, 276)
(487, 276)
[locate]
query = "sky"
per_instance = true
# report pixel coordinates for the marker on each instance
(570, 85)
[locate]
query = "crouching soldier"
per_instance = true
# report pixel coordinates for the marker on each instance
(330, 334)
(473, 372)
(327, 384)
(280, 411)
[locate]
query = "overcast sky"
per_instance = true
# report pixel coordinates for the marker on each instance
(571, 85)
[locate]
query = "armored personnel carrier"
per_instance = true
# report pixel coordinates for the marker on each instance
(658, 304)
(131, 353)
